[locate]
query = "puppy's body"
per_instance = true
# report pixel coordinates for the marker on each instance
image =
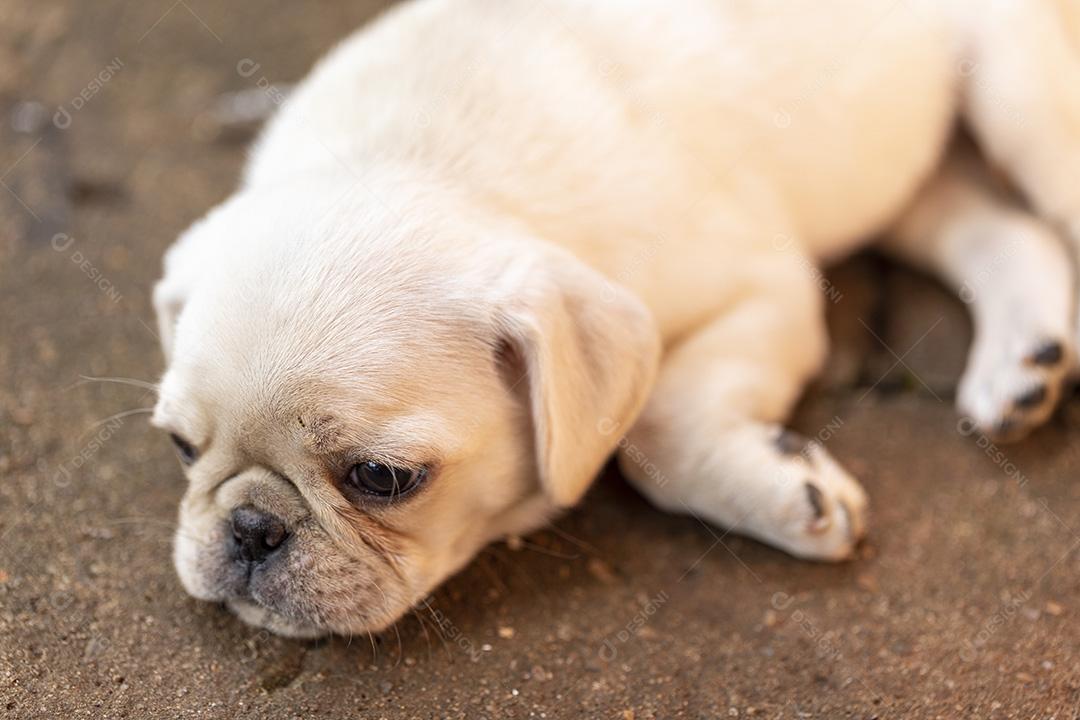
(484, 241)
(663, 144)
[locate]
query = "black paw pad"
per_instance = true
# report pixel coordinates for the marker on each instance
(791, 443)
(817, 500)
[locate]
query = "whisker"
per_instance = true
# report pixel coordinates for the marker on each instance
(438, 628)
(591, 549)
(374, 651)
(386, 607)
(544, 551)
(134, 520)
(423, 629)
(117, 416)
(83, 379)
(400, 648)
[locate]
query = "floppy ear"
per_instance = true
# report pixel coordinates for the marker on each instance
(590, 350)
(184, 263)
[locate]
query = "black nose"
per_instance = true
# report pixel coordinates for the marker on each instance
(257, 534)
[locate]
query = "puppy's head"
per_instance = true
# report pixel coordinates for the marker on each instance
(364, 395)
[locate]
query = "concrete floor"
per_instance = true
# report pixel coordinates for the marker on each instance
(964, 602)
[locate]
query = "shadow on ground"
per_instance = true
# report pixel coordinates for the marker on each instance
(963, 603)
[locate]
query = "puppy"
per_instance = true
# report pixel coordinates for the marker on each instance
(485, 245)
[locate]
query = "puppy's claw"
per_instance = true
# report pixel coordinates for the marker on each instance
(821, 521)
(825, 515)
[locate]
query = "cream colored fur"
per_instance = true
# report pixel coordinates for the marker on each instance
(504, 239)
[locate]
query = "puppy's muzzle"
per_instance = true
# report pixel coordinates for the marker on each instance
(256, 535)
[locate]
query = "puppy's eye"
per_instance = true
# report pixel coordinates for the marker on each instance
(187, 452)
(374, 478)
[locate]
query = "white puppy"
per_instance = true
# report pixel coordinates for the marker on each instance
(485, 244)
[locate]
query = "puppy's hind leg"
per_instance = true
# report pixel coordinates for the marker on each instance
(1014, 272)
(710, 441)
(1021, 95)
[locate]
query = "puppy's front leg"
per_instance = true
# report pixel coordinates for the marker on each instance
(710, 441)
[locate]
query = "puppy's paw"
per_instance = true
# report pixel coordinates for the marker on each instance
(821, 514)
(1012, 385)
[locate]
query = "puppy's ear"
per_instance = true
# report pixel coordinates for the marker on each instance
(589, 350)
(184, 263)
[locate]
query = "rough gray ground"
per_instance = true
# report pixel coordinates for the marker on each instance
(964, 602)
